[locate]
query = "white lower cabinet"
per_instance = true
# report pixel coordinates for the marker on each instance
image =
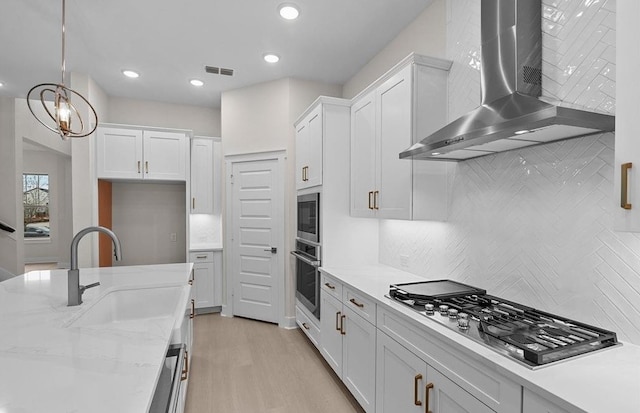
(348, 343)
(406, 383)
(307, 324)
(207, 274)
(533, 403)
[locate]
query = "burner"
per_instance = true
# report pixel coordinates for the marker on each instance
(530, 336)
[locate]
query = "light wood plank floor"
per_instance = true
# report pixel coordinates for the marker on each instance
(242, 366)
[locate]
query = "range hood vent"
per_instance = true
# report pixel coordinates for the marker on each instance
(511, 114)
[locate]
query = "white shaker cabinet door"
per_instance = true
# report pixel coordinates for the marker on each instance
(119, 153)
(447, 397)
(394, 104)
(400, 378)
(202, 176)
(358, 358)
(331, 317)
(309, 136)
(165, 156)
(363, 156)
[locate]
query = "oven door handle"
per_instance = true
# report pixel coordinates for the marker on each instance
(306, 260)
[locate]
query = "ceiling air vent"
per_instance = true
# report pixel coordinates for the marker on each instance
(218, 70)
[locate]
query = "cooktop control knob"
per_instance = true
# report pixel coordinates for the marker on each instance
(453, 313)
(428, 308)
(463, 321)
(444, 309)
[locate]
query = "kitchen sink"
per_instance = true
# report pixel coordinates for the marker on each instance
(132, 304)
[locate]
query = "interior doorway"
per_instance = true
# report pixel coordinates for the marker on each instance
(255, 235)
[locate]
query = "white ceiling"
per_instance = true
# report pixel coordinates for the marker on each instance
(170, 42)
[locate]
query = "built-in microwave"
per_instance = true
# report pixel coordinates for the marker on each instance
(309, 217)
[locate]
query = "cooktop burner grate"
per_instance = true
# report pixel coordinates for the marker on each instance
(532, 337)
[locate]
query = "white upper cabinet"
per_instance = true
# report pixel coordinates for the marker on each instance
(399, 109)
(325, 116)
(134, 154)
(627, 141)
(309, 149)
(202, 176)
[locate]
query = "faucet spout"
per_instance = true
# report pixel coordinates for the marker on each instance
(74, 288)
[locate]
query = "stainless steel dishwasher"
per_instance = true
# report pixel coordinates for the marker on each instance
(167, 393)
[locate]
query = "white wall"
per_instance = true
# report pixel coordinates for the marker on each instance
(144, 217)
(425, 35)
(203, 121)
(260, 118)
(11, 254)
(56, 247)
(535, 225)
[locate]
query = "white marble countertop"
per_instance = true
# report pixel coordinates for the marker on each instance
(50, 365)
(600, 382)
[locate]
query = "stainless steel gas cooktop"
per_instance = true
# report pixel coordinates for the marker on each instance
(529, 336)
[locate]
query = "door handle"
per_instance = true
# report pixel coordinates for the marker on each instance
(273, 250)
(624, 181)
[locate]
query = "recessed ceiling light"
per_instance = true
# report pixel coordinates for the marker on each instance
(130, 73)
(1, 84)
(435, 153)
(271, 58)
(196, 82)
(288, 11)
(522, 132)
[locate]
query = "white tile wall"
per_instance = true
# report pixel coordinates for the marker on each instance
(535, 225)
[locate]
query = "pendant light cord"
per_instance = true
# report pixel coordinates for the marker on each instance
(63, 39)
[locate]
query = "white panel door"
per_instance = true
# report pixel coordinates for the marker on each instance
(165, 156)
(257, 228)
(394, 135)
(119, 153)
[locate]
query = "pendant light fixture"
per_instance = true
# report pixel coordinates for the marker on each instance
(67, 120)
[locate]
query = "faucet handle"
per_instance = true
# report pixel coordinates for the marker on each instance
(86, 287)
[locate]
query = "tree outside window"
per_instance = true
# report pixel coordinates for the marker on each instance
(35, 196)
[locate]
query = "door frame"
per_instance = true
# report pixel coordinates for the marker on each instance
(280, 156)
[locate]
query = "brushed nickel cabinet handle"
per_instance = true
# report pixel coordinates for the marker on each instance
(193, 308)
(342, 330)
(306, 327)
(338, 328)
(146, 166)
(193, 203)
(426, 399)
(329, 286)
(201, 256)
(185, 371)
(138, 166)
(375, 199)
(624, 191)
(416, 400)
(357, 304)
(370, 195)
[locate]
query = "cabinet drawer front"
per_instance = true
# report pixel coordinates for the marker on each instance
(491, 388)
(308, 327)
(205, 256)
(360, 305)
(332, 286)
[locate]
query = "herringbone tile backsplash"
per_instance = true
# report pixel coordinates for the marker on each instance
(534, 225)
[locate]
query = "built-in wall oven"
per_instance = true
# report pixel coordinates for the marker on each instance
(309, 217)
(307, 255)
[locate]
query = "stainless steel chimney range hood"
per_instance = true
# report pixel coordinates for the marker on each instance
(511, 115)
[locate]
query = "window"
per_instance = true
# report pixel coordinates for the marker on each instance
(35, 199)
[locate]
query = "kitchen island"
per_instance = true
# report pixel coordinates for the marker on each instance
(57, 358)
(600, 382)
